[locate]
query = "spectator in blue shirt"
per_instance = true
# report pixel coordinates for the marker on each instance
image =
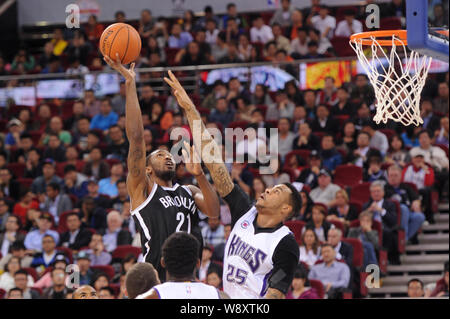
(330, 156)
(106, 118)
(222, 113)
(179, 38)
(108, 186)
(334, 275)
(33, 240)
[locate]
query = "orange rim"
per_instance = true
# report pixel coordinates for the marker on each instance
(366, 37)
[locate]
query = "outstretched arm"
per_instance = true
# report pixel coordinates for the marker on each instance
(137, 181)
(210, 151)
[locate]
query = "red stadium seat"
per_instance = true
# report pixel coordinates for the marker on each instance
(122, 251)
(358, 252)
(35, 136)
(242, 124)
(339, 225)
(296, 227)
(262, 108)
(170, 55)
(32, 272)
(400, 230)
(116, 289)
(304, 154)
(443, 147)
(18, 169)
(342, 47)
(360, 193)
(2, 293)
(107, 269)
(305, 265)
(388, 132)
(203, 110)
(391, 23)
(290, 172)
(317, 284)
(348, 175)
(356, 205)
(342, 119)
(62, 227)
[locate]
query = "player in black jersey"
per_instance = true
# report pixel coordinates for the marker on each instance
(158, 207)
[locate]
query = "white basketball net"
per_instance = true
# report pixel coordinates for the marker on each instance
(397, 86)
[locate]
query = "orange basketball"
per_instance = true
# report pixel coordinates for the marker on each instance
(123, 39)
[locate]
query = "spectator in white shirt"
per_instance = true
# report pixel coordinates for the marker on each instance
(33, 240)
(326, 191)
(310, 250)
(324, 22)
(348, 26)
(211, 32)
(300, 44)
(260, 32)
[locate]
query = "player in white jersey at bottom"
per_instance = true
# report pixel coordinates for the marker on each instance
(261, 254)
(180, 254)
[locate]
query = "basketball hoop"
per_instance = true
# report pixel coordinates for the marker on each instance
(396, 73)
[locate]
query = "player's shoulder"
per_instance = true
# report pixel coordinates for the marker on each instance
(151, 294)
(288, 243)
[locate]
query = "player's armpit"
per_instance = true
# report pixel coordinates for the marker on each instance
(273, 293)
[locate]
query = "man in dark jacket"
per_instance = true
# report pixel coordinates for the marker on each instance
(9, 186)
(310, 174)
(385, 211)
(77, 236)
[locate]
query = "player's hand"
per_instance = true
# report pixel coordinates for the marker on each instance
(179, 92)
(117, 65)
(192, 160)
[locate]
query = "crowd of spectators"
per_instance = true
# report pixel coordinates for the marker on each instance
(63, 194)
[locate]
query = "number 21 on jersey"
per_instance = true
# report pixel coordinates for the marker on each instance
(180, 218)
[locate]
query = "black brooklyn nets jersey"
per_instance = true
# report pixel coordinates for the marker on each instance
(165, 211)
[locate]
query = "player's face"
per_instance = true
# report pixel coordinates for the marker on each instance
(162, 164)
(86, 292)
(274, 200)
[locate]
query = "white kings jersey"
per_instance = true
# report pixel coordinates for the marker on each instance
(183, 290)
(248, 258)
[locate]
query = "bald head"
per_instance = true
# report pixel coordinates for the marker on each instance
(85, 292)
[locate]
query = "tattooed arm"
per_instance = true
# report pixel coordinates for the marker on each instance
(210, 151)
(273, 293)
(137, 181)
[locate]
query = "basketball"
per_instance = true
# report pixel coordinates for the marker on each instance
(123, 39)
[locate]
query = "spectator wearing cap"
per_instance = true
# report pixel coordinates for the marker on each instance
(323, 122)
(58, 290)
(55, 149)
(385, 212)
(46, 281)
(374, 172)
(114, 235)
(331, 158)
(55, 201)
(363, 152)
(75, 183)
(441, 289)
(33, 240)
(83, 261)
(76, 236)
(282, 16)
(368, 237)
(310, 174)
(96, 167)
(22, 281)
(325, 192)
(318, 222)
(48, 255)
(107, 186)
(98, 255)
(324, 22)
(300, 287)
(410, 203)
(378, 140)
(15, 128)
(106, 118)
(260, 32)
(16, 249)
(415, 288)
(214, 232)
(349, 25)
(9, 186)
(334, 275)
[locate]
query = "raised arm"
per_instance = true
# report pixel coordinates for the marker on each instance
(210, 151)
(137, 181)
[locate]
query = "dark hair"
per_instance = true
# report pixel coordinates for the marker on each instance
(122, 180)
(101, 274)
(423, 131)
(180, 252)
(446, 266)
(315, 245)
(294, 200)
(140, 278)
(48, 235)
(15, 289)
(208, 9)
(12, 257)
(118, 13)
(231, 4)
(111, 291)
(72, 214)
(312, 44)
(21, 271)
(55, 186)
(129, 258)
(416, 280)
(302, 273)
(364, 133)
(70, 168)
(17, 245)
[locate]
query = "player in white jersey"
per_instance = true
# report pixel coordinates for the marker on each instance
(261, 254)
(180, 254)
